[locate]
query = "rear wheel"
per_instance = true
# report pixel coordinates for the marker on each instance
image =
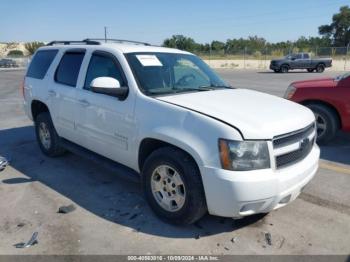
(277, 70)
(284, 69)
(320, 68)
(47, 136)
(173, 186)
(310, 70)
(326, 121)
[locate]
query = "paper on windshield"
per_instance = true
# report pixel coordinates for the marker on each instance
(149, 60)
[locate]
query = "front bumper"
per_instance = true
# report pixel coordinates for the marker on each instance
(238, 194)
(274, 67)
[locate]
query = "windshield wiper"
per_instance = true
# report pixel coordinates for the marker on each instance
(213, 87)
(177, 90)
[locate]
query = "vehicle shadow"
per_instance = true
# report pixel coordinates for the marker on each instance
(98, 190)
(337, 150)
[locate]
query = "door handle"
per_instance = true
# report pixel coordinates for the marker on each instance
(83, 102)
(52, 93)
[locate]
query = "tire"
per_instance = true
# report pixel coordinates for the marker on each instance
(175, 164)
(284, 69)
(47, 137)
(327, 122)
(320, 68)
(310, 70)
(277, 70)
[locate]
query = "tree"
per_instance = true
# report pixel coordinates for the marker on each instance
(181, 42)
(339, 29)
(217, 46)
(15, 53)
(33, 46)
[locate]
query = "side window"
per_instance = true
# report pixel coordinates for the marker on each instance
(68, 70)
(187, 74)
(298, 56)
(41, 63)
(103, 65)
(306, 56)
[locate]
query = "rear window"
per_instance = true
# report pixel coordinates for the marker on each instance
(68, 70)
(41, 63)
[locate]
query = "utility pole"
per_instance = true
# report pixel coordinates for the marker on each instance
(106, 34)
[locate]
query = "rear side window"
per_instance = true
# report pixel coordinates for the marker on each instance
(68, 70)
(41, 63)
(306, 56)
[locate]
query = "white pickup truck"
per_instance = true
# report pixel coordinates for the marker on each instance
(197, 144)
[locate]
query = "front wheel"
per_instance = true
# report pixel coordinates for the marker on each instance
(310, 70)
(284, 69)
(326, 122)
(173, 186)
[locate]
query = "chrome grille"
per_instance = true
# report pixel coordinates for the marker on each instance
(301, 142)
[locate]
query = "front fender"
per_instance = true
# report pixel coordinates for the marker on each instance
(193, 132)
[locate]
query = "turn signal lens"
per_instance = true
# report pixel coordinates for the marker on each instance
(289, 92)
(21, 88)
(224, 154)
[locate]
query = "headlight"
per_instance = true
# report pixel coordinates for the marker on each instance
(289, 92)
(244, 155)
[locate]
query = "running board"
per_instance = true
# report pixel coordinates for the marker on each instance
(120, 170)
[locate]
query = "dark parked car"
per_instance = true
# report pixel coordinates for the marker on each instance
(5, 62)
(329, 99)
(300, 61)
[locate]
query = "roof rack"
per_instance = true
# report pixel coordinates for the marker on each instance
(84, 42)
(116, 41)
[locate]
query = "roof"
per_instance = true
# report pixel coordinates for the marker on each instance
(123, 46)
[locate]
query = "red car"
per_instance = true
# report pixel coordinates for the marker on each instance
(329, 99)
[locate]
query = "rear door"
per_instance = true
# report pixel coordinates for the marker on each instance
(306, 63)
(105, 123)
(37, 77)
(297, 61)
(63, 94)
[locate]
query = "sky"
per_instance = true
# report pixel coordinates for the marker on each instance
(154, 20)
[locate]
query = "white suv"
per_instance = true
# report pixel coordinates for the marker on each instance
(196, 144)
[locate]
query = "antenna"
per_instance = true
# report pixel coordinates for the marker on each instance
(105, 34)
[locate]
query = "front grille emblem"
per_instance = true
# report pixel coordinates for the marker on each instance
(303, 144)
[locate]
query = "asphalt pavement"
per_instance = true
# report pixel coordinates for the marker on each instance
(112, 217)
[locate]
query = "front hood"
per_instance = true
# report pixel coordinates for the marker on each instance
(257, 115)
(277, 60)
(320, 82)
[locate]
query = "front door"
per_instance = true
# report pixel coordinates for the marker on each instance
(105, 123)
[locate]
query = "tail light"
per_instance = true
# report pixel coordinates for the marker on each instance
(21, 88)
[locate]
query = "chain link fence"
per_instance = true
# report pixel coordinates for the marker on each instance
(260, 58)
(244, 57)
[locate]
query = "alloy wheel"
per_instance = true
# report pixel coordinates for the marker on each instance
(168, 188)
(44, 135)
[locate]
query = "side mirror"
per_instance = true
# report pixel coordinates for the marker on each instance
(109, 86)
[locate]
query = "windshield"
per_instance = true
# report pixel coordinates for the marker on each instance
(169, 73)
(343, 76)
